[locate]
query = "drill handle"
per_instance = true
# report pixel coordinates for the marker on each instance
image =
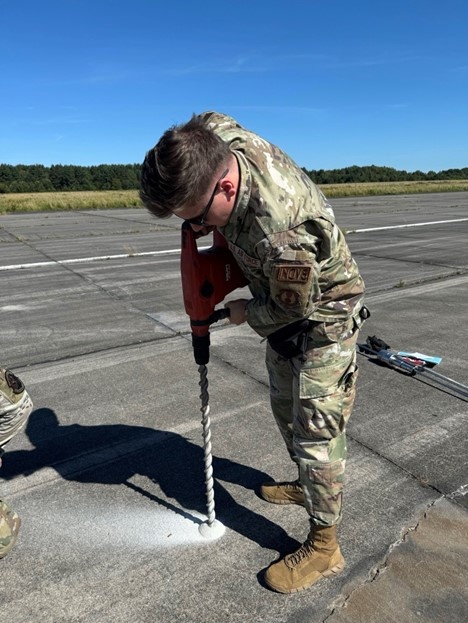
(219, 314)
(201, 343)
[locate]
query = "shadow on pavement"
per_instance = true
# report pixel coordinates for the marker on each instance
(169, 460)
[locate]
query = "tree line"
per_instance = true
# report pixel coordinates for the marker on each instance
(38, 178)
(372, 173)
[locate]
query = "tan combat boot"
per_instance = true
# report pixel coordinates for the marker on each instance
(282, 492)
(318, 557)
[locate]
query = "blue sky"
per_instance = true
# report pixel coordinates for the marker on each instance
(332, 82)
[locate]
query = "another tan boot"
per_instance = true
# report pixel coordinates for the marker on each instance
(318, 557)
(282, 492)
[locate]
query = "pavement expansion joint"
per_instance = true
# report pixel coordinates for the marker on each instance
(421, 281)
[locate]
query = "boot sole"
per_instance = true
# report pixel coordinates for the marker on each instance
(281, 502)
(336, 570)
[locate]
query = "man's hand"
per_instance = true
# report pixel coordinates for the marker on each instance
(237, 310)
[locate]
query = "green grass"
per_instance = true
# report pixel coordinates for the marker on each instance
(54, 201)
(108, 199)
(367, 189)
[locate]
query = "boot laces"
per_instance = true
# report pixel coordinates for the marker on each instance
(292, 485)
(304, 551)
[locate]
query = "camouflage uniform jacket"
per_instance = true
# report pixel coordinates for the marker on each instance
(283, 234)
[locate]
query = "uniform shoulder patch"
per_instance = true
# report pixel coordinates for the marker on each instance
(288, 298)
(293, 273)
(13, 382)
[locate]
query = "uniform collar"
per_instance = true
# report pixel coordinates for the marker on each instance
(243, 194)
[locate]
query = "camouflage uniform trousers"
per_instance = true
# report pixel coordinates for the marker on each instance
(311, 398)
(9, 527)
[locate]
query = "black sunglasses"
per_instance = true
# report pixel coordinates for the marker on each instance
(200, 220)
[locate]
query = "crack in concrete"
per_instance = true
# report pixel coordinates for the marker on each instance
(157, 226)
(380, 568)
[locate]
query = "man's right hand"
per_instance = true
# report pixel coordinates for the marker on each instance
(237, 310)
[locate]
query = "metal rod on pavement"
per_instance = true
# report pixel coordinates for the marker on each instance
(440, 378)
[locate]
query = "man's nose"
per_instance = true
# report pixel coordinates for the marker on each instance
(204, 230)
(197, 228)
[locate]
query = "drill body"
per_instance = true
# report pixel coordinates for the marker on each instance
(208, 276)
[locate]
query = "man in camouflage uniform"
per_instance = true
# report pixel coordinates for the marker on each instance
(306, 300)
(15, 407)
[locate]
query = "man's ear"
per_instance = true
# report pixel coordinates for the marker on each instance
(228, 188)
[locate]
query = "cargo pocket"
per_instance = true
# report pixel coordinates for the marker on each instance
(326, 397)
(318, 381)
(321, 396)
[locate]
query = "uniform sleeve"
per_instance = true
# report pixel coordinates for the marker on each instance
(293, 275)
(15, 405)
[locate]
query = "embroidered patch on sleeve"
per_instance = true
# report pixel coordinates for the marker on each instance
(293, 273)
(288, 298)
(13, 382)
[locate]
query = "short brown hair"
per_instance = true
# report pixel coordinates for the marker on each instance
(180, 167)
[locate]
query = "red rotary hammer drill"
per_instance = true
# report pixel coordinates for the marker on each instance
(208, 276)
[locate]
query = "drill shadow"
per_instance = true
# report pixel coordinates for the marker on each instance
(114, 454)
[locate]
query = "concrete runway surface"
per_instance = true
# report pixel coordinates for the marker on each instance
(108, 475)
